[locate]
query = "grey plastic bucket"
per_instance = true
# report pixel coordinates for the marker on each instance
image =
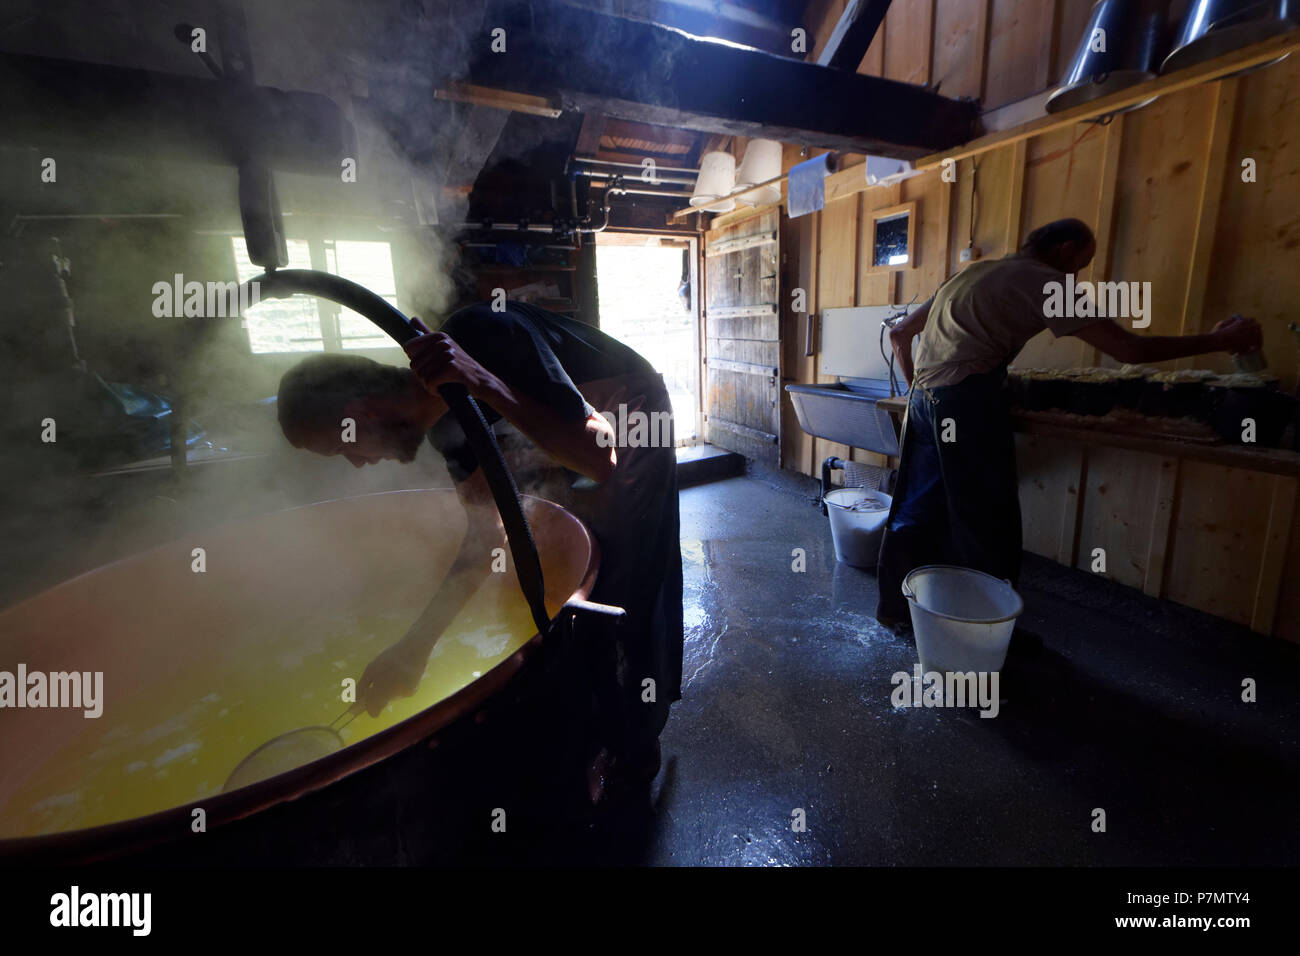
(856, 534)
(962, 619)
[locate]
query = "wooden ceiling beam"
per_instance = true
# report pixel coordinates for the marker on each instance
(853, 33)
(593, 62)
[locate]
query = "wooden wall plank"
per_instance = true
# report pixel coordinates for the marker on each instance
(1277, 538)
(1015, 200)
(1123, 490)
(1257, 242)
(1162, 159)
(874, 288)
(1162, 517)
(1071, 21)
(1286, 616)
(873, 64)
(1063, 173)
(908, 50)
(932, 224)
(1218, 539)
(1050, 473)
(798, 247)
(836, 275)
(836, 283)
(1019, 50)
(1222, 107)
(960, 33)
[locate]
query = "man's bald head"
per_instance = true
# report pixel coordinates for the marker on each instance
(1065, 244)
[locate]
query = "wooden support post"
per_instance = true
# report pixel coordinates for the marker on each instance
(945, 227)
(1015, 202)
(1072, 516)
(1207, 216)
(980, 44)
(1277, 539)
(1162, 522)
(1104, 226)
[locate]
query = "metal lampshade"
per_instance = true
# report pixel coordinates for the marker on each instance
(1120, 47)
(716, 181)
(762, 162)
(1214, 27)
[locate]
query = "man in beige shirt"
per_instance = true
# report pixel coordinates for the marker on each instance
(956, 500)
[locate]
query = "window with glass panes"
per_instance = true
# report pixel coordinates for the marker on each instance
(307, 324)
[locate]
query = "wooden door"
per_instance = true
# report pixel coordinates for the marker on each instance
(742, 338)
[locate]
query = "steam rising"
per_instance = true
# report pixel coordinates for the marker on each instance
(129, 214)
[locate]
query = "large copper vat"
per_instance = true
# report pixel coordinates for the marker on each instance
(175, 645)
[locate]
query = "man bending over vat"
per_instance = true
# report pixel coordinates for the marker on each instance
(546, 375)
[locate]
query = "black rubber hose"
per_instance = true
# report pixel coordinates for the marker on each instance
(528, 567)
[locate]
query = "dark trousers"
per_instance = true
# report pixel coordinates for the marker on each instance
(956, 500)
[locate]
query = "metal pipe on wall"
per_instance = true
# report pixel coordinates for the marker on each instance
(634, 166)
(658, 175)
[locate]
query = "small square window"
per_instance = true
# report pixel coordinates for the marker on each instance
(280, 325)
(298, 323)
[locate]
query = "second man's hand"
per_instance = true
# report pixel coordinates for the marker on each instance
(396, 672)
(1239, 335)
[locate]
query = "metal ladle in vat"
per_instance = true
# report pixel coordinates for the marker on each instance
(290, 751)
(298, 747)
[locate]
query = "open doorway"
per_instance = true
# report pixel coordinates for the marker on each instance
(648, 300)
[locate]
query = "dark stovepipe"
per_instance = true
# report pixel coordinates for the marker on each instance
(528, 567)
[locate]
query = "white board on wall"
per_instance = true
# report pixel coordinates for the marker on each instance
(850, 341)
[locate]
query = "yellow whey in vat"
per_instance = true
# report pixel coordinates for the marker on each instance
(180, 742)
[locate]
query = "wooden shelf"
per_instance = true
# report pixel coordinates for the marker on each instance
(1273, 461)
(1215, 69)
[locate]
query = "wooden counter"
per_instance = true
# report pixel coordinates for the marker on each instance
(1101, 431)
(1201, 522)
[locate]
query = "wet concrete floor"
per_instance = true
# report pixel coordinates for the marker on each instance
(1131, 706)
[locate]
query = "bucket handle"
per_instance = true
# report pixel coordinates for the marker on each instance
(911, 595)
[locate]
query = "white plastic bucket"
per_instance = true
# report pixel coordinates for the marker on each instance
(962, 618)
(858, 519)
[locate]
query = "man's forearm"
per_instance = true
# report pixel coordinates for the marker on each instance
(575, 448)
(902, 347)
(1162, 348)
(901, 336)
(468, 570)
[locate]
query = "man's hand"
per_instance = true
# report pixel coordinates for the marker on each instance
(436, 360)
(902, 334)
(902, 347)
(1238, 335)
(396, 672)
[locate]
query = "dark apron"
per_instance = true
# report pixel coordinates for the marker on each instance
(955, 502)
(634, 517)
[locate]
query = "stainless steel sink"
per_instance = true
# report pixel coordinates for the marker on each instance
(846, 415)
